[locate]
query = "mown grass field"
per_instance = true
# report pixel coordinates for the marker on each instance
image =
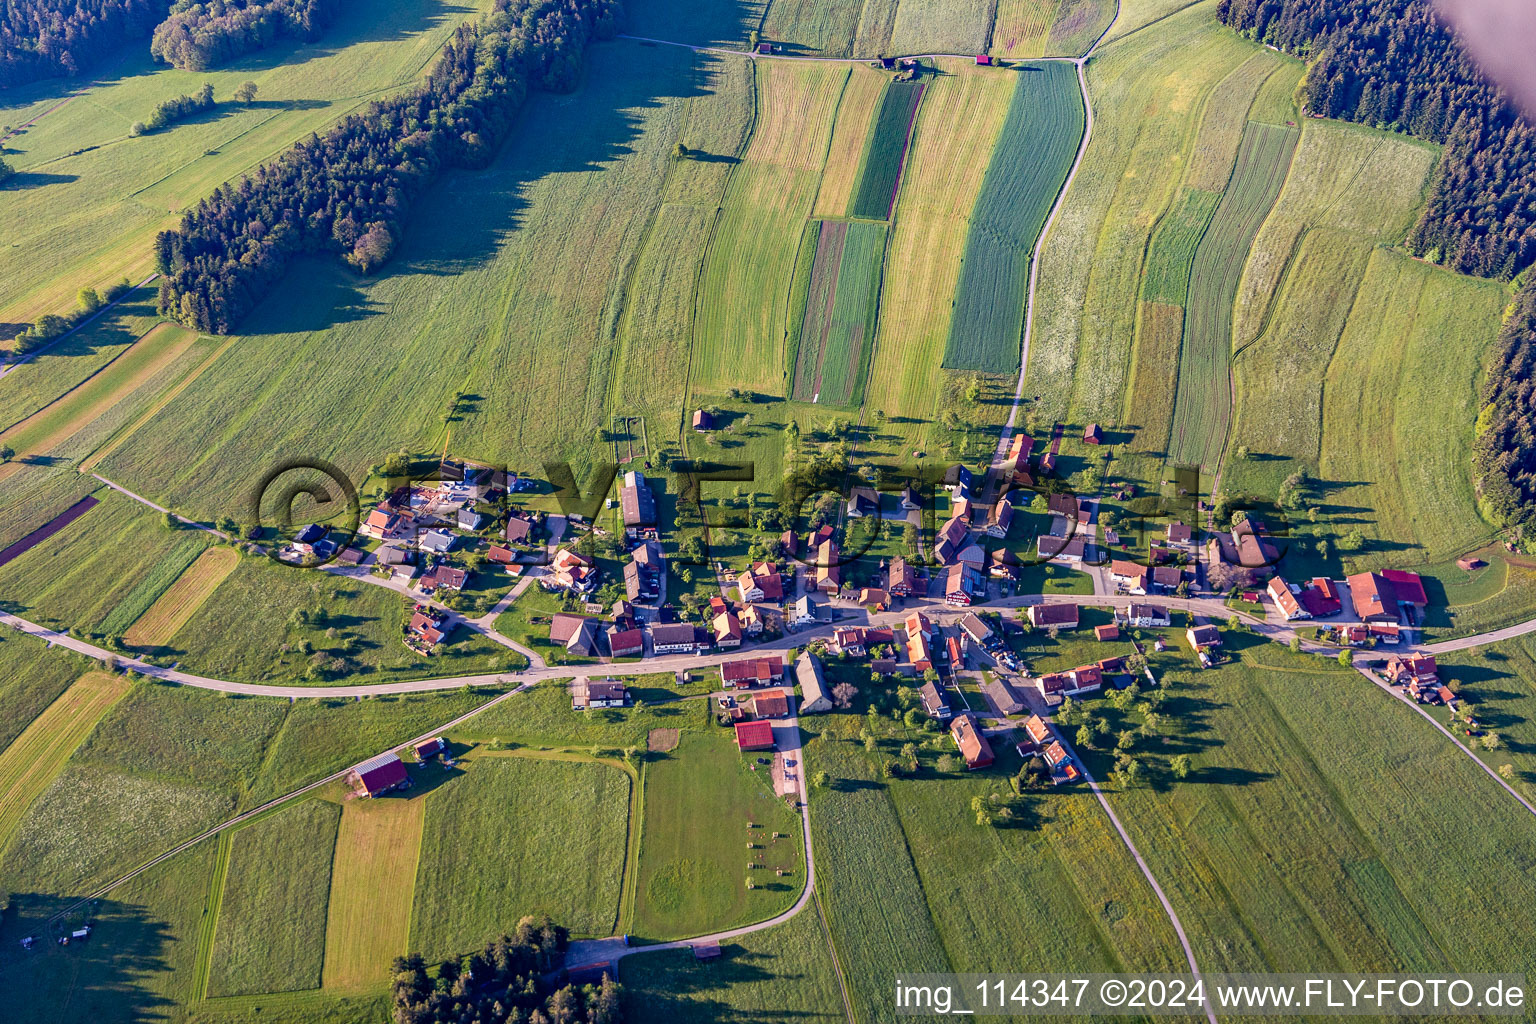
(175, 604)
(30, 500)
(150, 361)
(490, 838)
(743, 306)
(885, 152)
(1020, 27)
(32, 677)
(270, 933)
(838, 329)
(542, 717)
(87, 198)
(940, 26)
(1172, 251)
(530, 298)
(1077, 25)
(1312, 833)
(693, 853)
(940, 187)
(1416, 339)
(1149, 89)
(1498, 684)
(48, 375)
(1203, 408)
(30, 762)
(1038, 143)
(783, 973)
(368, 922)
(1302, 278)
(821, 28)
(80, 575)
(862, 98)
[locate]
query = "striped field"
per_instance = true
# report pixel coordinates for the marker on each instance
(36, 757)
(369, 921)
(178, 603)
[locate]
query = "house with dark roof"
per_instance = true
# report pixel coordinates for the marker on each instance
(1000, 517)
(626, 642)
(901, 578)
(379, 775)
(637, 503)
(1066, 550)
(1062, 616)
(673, 637)
(935, 701)
(863, 501)
(1093, 435)
(1202, 636)
(519, 529)
(813, 684)
(951, 539)
(760, 671)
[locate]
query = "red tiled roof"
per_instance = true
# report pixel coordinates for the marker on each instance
(754, 735)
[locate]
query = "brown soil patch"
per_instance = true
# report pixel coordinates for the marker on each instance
(659, 741)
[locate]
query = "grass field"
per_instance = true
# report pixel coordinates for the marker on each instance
(174, 605)
(48, 375)
(30, 500)
(31, 678)
(87, 198)
(30, 763)
(151, 360)
(1038, 143)
(368, 923)
(490, 837)
(1203, 407)
(1155, 376)
(1172, 252)
(822, 28)
(1311, 833)
(1078, 24)
(79, 576)
(1224, 121)
(1148, 89)
(1416, 339)
(1020, 27)
(839, 326)
(783, 973)
(1303, 276)
(941, 26)
(270, 935)
(885, 153)
(863, 96)
(493, 260)
(693, 876)
(743, 306)
(542, 717)
(939, 191)
(162, 575)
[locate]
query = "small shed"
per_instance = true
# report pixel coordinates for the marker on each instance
(702, 420)
(1093, 435)
(764, 47)
(983, 60)
(706, 950)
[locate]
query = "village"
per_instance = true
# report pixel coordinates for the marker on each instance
(916, 621)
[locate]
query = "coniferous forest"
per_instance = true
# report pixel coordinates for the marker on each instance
(50, 38)
(350, 189)
(1395, 64)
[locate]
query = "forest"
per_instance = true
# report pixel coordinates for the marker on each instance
(1394, 64)
(198, 36)
(502, 984)
(47, 38)
(350, 190)
(1504, 454)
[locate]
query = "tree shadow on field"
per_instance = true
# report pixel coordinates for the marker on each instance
(466, 218)
(106, 978)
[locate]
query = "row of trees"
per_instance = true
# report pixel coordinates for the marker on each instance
(1394, 64)
(198, 36)
(47, 38)
(502, 984)
(349, 190)
(1504, 454)
(177, 109)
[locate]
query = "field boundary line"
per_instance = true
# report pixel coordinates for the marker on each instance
(837, 962)
(208, 927)
(12, 363)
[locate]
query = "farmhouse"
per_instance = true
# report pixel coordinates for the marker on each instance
(770, 705)
(728, 630)
(1250, 546)
(1067, 550)
(1380, 597)
(901, 578)
(863, 501)
(1062, 616)
(1414, 668)
(874, 597)
(813, 685)
(963, 585)
(761, 582)
(379, 775)
(598, 693)
(827, 577)
(626, 642)
(1036, 735)
(950, 540)
(637, 503)
(973, 745)
(569, 571)
(1199, 637)
(673, 637)
(1107, 632)
(935, 703)
(756, 735)
(1000, 517)
(1128, 574)
(1290, 606)
(1147, 616)
(752, 672)
(975, 628)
